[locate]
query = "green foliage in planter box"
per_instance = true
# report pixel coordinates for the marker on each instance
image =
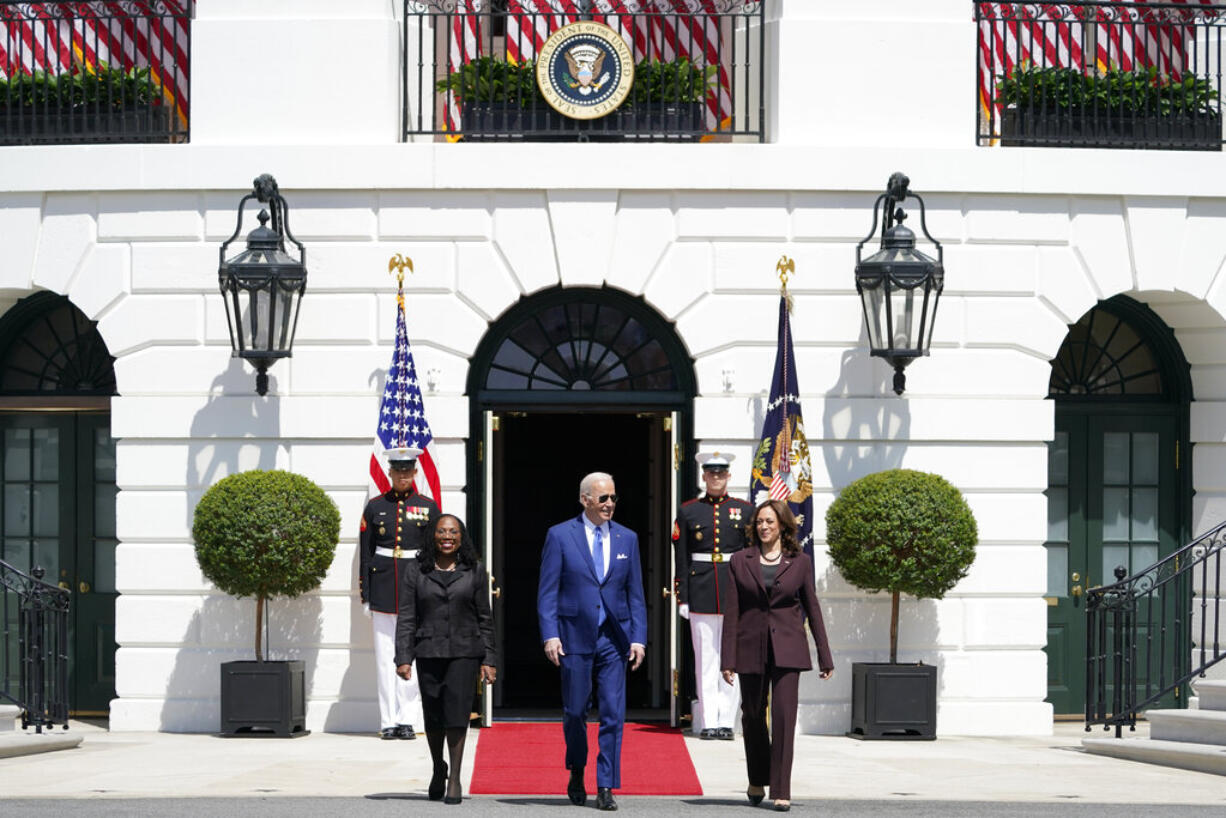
(901, 531)
(1069, 90)
(674, 81)
(265, 534)
(489, 79)
(103, 87)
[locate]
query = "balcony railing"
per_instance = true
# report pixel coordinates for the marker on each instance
(91, 72)
(677, 70)
(1101, 74)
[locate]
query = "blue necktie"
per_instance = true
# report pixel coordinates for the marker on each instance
(598, 563)
(598, 553)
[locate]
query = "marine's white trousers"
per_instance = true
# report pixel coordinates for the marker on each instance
(718, 701)
(399, 701)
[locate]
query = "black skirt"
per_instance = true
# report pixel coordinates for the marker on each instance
(447, 690)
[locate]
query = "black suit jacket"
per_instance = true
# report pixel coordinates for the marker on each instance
(444, 620)
(776, 615)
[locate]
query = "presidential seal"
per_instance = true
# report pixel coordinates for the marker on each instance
(585, 70)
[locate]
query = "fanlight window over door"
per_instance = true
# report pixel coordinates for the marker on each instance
(1105, 356)
(581, 345)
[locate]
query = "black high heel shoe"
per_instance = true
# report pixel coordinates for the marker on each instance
(437, 783)
(454, 799)
(755, 798)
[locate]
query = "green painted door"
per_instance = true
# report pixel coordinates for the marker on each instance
(1112, 501)
(57, 510)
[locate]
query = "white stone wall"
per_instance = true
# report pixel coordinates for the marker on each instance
(1019, 270)
(1033, 238)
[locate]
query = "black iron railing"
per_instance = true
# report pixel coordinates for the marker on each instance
(1101, 74)
(1148, 635)
(34, 655)
(470, 70)
(90, 72)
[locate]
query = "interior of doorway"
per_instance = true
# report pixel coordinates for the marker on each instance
(539, 460)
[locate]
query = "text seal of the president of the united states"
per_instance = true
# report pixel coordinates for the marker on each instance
(585, 70)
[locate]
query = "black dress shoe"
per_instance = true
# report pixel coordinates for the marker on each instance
(405, 731)
(574, 788)
(438, 783)
(726, 734)
(604, 799)
(388, 733)
(707, 735)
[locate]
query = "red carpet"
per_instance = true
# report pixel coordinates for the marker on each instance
(517, 758)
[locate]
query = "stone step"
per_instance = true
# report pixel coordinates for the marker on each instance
(1193, 726)
(1210, 694)
(1205, 758)
(17, 742)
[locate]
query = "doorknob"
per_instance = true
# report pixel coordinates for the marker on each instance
(495, 591)
(83, 587)
(64, 585)
(1076, 590)
(665, 593)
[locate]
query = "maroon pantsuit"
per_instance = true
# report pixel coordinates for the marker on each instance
(764, 642)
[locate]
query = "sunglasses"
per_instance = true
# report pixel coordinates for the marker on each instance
(606, 498)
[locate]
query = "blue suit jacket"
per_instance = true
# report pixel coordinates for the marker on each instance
(566, 600)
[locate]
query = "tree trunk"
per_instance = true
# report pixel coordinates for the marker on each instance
(259, 625)
(894, 628)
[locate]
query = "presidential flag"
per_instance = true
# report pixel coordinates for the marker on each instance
(781, 468)
(402, 417)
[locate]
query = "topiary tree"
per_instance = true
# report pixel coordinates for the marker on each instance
(901, 531)
(265, 534)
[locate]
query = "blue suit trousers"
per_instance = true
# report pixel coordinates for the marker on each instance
(606, 668)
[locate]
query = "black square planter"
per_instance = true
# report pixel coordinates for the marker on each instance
(1178, 130)
(890, 701)
(263, 699)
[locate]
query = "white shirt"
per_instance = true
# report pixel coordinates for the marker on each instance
(591, 529)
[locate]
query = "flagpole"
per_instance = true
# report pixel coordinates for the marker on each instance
(786, 268)
(399, 264)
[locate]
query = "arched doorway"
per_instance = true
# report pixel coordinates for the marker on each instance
(566, 382)
(57, 483)
(1119, 477)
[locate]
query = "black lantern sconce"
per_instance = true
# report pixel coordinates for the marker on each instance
(898, 285)
(263, 285)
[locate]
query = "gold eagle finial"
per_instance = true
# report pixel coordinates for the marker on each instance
(399, 264)
(786, 267)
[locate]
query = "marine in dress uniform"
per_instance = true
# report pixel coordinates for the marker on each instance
(708, 531)
(394, 527)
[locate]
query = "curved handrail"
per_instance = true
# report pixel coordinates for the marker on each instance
(1149, 634)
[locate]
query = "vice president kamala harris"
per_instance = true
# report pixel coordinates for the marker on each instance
(764, 643)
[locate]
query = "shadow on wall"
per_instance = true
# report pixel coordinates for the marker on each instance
(356, 709)
(223, 630)
(868, 435)
(215, 449)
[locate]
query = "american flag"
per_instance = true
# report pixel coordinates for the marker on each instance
(654, 30)
(70, 37)
(1013, 34)
(1148, 39)
(781, 467)
(463, 46)
(402, 415)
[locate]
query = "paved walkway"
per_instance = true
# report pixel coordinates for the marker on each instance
(1049, 769)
